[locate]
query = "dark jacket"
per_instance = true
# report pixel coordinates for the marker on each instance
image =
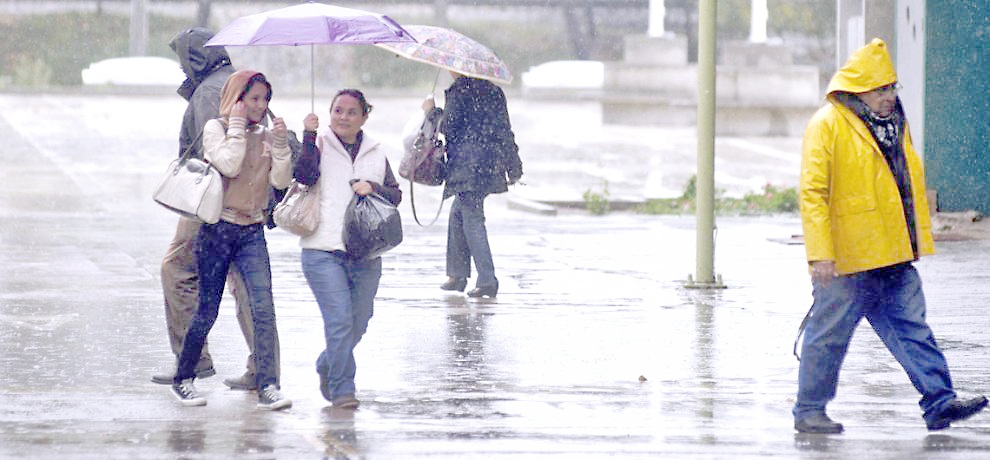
(206, 69)
(482, 155)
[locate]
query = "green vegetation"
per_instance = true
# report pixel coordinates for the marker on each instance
(772, 200)
(597, 202)
(52, 49)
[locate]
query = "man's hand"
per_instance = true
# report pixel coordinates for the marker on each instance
(822, 271)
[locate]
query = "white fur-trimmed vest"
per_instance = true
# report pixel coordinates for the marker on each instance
(336, 172)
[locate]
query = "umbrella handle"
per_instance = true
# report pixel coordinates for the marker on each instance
(312, 81)
(436, 81)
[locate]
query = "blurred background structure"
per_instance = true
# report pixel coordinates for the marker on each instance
(774, 59)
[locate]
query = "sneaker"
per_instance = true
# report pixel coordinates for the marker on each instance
(248, 381)
(818, 423)
(186, 393)
(269, 398)
(346, 402)
(956, 410)
(324, 389)
(203, 370)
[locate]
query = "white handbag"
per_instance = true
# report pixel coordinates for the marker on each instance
(299, 210)
(192, 188)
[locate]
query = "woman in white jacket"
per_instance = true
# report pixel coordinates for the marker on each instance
(345, 161)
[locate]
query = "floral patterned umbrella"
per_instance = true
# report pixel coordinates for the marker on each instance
(451, 50)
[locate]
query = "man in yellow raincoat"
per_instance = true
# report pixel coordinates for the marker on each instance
(866, 219)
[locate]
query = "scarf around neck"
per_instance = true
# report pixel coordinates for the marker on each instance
(887, 131)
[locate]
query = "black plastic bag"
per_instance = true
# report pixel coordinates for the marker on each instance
(371, 226)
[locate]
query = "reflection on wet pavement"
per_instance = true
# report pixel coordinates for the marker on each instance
(592, 348)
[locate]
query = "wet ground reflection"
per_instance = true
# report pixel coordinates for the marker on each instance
(593, 348)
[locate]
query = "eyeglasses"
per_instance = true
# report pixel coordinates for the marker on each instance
(891, 88)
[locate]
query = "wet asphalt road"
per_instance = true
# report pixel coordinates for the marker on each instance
(592, 349)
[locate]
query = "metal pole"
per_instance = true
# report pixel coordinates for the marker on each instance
(705, 179)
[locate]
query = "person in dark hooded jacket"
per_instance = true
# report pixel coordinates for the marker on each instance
(206, 69)
(482, 159)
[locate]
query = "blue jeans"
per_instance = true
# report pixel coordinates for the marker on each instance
(892, 301)
(467, 237)
(345, 290)
(217, 247)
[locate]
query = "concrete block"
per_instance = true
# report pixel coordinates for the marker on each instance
(667, 50)
(747, 54)
(784, 86)
(730, 119)
(658, 79)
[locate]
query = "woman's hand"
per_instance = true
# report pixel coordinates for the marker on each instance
(278, 127)
(239, 110)
(429, 103)
(362, 187)
(311, 122)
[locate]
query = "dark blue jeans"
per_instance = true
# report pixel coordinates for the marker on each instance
(345, 290)
(892, 301)
(217, 247)
(467, 238)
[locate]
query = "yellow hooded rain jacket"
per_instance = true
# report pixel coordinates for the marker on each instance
(850, 206)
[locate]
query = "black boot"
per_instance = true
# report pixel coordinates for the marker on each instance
(818, 423)
(454, 284)
(484, 291)
(956, 410)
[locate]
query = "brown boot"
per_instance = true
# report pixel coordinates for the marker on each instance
(248, 381)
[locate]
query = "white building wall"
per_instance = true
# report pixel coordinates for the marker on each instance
(910, 24)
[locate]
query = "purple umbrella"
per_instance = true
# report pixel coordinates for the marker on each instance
(311, 24)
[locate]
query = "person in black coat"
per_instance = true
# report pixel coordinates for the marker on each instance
(482, 158)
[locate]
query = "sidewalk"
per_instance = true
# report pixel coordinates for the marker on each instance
(593, 349)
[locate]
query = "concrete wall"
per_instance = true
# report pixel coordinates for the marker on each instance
(759, 91)
(910, 57)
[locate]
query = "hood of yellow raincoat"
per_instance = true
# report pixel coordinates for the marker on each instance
(869, 68)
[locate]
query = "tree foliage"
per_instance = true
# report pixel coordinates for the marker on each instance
(52, 49)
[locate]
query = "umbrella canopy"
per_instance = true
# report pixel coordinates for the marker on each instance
(310, 24)
(451, 50)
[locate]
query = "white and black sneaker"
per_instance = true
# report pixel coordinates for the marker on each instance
(186, 393)
(269, 398)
